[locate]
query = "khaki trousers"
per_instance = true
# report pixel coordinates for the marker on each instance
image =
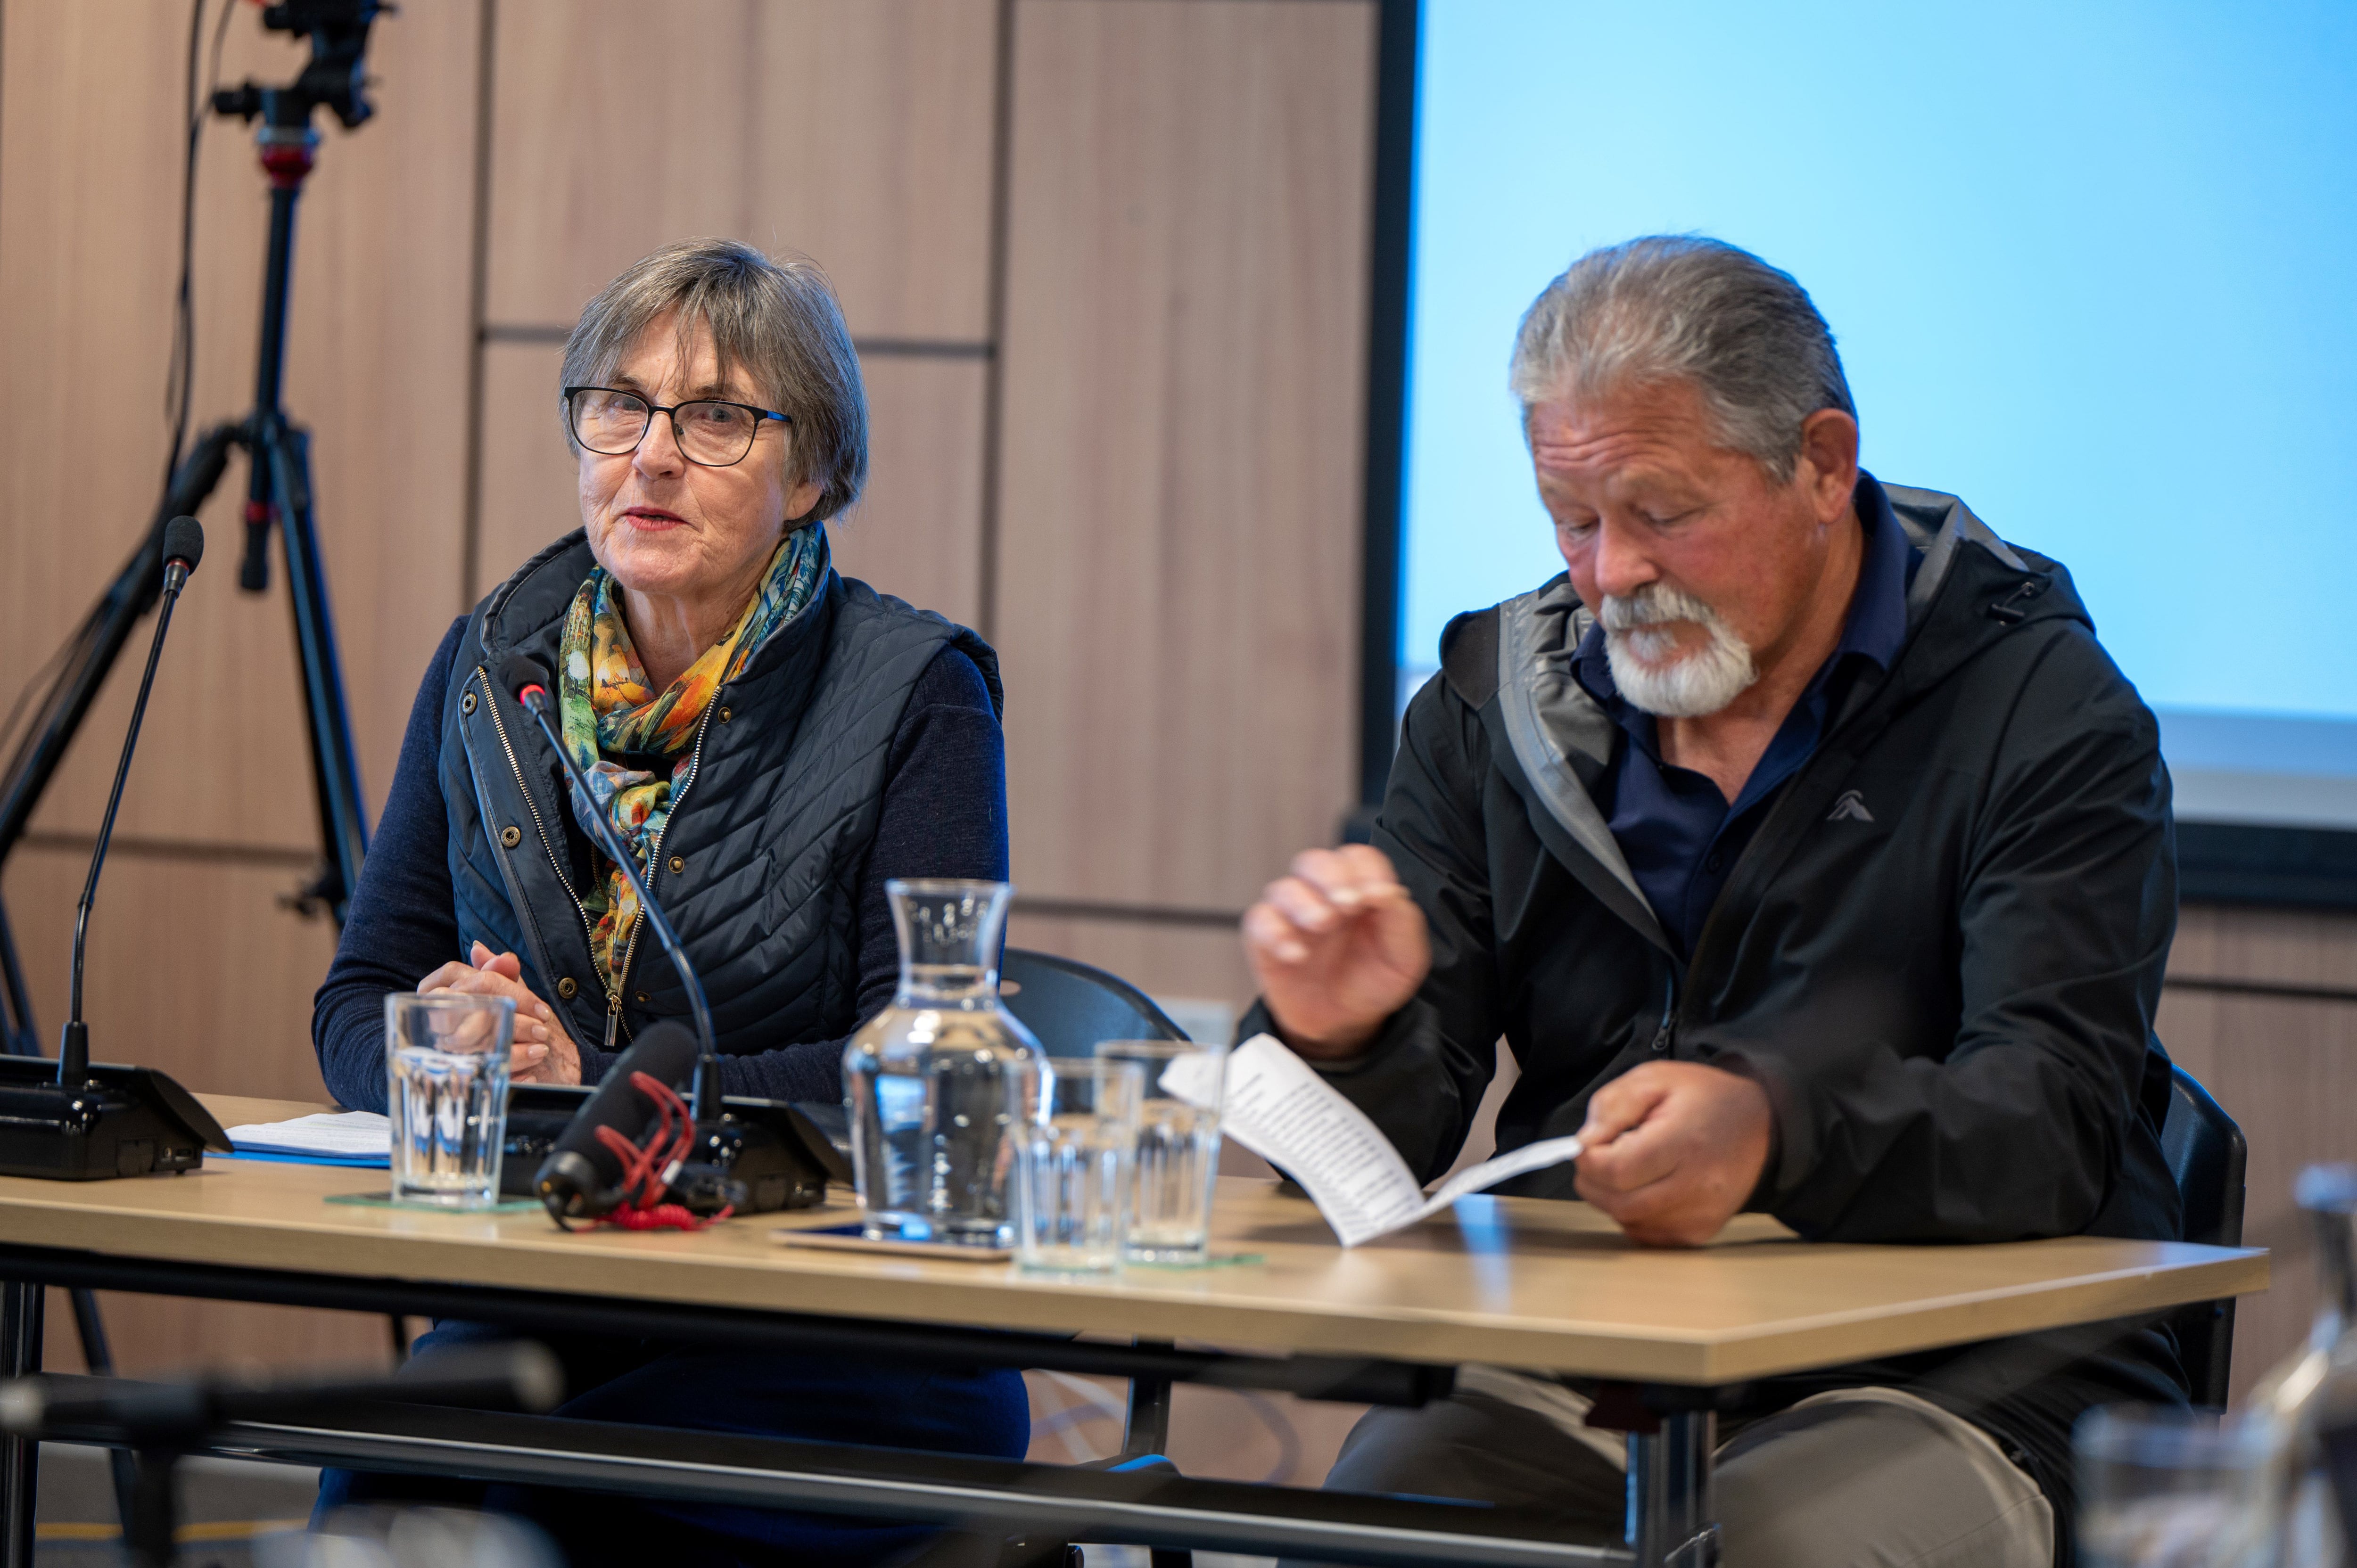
(1858, 1478)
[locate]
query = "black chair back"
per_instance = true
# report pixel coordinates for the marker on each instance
(1072, 1005)
(2206, 1153)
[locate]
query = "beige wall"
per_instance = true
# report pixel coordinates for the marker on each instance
(1105, 260)
(1105, 266)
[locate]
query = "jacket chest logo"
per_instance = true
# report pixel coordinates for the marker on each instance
(1850, 808)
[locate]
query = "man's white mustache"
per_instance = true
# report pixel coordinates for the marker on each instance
(1645, 658)
(1655, 604)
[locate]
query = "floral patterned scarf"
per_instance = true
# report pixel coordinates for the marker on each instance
(603, 700)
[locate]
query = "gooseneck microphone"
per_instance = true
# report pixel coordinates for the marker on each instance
(528, 679)
(184, 546)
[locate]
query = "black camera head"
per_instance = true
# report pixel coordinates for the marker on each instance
(336, 78)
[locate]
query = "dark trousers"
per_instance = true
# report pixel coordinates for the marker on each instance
(826, 1399)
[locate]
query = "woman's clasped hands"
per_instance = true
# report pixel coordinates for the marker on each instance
(542, 1052)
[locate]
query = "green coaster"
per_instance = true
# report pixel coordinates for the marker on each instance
(1217, 1261)
(385, 1200)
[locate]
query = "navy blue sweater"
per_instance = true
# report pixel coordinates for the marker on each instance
(944, 815)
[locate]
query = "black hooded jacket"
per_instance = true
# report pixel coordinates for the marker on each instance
(1940, 954)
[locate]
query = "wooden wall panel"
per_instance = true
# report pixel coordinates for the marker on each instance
(88, 201)
(377, 369)
(194, 966)
(154, 1336)
(529, 496)
(917, 532)
(2286, 1070)
(856, 132)
(1179, 473)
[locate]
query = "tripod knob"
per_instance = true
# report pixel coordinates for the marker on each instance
(239, 102)
(253, 569)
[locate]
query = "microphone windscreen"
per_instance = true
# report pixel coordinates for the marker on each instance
(518, 670)
(184, 540)
(581, 1171)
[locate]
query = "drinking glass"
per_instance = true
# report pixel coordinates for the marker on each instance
(446, 1058)
(1177, 1146)
(2162, 1487)
(1075, 1166)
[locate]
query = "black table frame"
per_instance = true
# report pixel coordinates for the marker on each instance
(1669, 1499)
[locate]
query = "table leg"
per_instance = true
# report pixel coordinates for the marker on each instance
(1147, 1428)
(1671, 1522)
(20, 1355)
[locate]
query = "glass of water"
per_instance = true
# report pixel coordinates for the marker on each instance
(1075, 1166)
(1177, 1146)
(2175, 1489)
(446, 1055)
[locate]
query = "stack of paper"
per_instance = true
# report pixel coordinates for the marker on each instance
(1279, 1108)
(339, 1138)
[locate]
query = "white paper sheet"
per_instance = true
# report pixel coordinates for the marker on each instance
(348, 1134)
(1279, 1108)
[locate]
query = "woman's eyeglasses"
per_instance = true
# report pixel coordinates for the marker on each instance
(710, 433)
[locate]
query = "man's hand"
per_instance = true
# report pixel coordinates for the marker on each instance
(541, 1052)
(1338, 946)
(1674, 1149)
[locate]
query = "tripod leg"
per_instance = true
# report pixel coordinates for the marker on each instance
(100, 1361)
(22, 1036)
(20, 1356)
(147, 1529)
(335, 767)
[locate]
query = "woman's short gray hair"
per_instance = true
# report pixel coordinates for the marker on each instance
(779, 319)
(1679, 307)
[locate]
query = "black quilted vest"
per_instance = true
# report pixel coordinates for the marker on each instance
(761, 863)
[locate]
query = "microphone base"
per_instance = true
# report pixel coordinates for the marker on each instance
(120, 1122)
(752, 1165)
(778, 1156)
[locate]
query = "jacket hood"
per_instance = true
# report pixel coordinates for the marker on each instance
(1970, 588)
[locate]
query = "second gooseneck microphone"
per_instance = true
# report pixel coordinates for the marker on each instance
(528, 679)
(184, 546)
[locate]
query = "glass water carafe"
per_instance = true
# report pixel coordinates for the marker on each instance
(939, 1082)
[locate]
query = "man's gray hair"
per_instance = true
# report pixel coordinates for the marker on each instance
(779, 319)
(1679, 307)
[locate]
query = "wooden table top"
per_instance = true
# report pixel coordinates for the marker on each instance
(1517, 1282)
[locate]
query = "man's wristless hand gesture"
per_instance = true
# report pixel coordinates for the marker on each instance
(1338, 946)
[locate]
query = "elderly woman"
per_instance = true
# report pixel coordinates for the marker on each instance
(774, 741)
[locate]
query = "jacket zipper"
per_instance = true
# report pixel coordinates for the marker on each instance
(1666, 1030)
(565, 881)
(654, 867)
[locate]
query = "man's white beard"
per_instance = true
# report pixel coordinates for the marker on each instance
(1700, 682)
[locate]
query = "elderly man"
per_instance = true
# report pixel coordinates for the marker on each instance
(1810, 857)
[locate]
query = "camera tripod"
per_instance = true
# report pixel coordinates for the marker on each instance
(279, 492)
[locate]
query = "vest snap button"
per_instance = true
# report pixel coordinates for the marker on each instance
(565, 988)
(641, 996)
(678, 865)
(724, 715)
(467, 703)
(511, 836)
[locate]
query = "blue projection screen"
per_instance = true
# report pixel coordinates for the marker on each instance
(2092, 266)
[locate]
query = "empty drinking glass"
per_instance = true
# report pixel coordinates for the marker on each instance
(1075, 1166)
(447, 1060)
(2162, 1487)
(1177, 1146)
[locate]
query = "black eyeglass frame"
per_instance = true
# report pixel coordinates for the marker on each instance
(678, 438)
